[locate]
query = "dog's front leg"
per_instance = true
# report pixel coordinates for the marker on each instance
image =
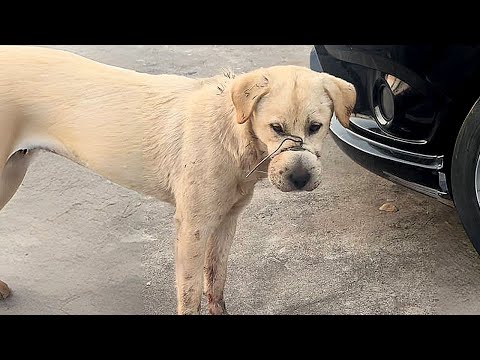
(215, 269)
(189, 259)
(216, 259)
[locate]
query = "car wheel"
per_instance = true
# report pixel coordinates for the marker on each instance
(465, 176)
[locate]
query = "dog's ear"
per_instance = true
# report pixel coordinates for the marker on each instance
(247, 89)
(343, 95)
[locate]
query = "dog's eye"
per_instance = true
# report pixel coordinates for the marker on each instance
(314, 128)
(277, 128)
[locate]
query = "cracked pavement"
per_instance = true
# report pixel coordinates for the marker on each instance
(72, 242)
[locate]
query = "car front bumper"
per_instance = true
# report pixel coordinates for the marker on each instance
(420, 172)
(362, 142)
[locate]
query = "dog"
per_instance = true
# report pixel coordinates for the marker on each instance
(198, 144)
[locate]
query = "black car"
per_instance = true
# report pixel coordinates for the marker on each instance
(417, 118)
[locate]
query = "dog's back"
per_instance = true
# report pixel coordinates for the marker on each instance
(84, 110)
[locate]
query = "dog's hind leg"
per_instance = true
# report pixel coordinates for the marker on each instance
(11, 176)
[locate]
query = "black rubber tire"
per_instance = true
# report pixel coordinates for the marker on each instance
(464, 162)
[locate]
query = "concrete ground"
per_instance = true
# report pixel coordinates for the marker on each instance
(73, 243)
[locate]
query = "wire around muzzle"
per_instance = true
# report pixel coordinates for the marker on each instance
(295, 139)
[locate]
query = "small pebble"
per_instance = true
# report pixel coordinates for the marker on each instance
(388, 207)
(4, 290)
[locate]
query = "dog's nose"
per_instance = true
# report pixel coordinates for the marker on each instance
(299, 178)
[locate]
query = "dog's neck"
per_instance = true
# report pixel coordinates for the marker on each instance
(239, 140)
(213, 97)
(254, 151)
(216, 112)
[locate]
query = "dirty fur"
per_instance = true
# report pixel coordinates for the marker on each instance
(189, 142)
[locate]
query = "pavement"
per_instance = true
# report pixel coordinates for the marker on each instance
(72, 242)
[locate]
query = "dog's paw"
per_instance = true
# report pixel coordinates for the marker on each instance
(217, 308)
(4, 290)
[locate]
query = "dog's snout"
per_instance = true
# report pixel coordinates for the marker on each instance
(299, 178)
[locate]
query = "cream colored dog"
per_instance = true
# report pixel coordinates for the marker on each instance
(190, 142)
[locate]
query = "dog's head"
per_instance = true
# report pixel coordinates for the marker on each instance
(292, 102)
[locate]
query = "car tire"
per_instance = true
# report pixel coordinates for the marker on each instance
(465, 175)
